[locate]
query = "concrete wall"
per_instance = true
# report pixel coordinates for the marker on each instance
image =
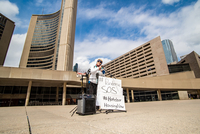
(183, 95)
(177, 81)
(27, 44)
(66, 48)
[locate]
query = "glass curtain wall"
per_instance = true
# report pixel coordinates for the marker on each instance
(140, 96)
(43, 44)
(47, 96)
(169, 95)
(16, 95)
(150, 95)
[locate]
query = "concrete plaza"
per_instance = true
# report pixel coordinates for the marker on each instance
(158, 117)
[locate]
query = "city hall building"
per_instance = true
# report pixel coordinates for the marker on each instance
(50, 39)
(45, 75)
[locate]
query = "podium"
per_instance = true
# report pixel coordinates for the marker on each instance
(86, 104)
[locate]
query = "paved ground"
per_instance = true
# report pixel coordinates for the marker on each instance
(161, 117)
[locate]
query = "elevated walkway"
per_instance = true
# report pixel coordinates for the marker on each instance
(10, 76)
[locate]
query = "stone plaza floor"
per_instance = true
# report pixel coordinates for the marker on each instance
(158, 117)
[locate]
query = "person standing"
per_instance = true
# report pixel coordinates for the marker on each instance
(95, 71)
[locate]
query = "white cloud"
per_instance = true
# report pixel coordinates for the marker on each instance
(181, 26)
(15, 50)
(11, 11)
(8, 9)
(38, 2)
(102, 47)
(170, 2)
(99, 12)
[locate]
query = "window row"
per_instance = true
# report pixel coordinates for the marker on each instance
(48, 30)
(43, 49)
(40, 38)
(44, 35)
(130, 58)
(46, 58)
(45, 41)
(38, 24)
(40, 65)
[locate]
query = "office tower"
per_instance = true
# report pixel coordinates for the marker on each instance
(6, 30)
(50, 39)
(145, 60)
(170, 53)
(75, 68)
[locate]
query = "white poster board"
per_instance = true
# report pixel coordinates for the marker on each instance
(110, 94)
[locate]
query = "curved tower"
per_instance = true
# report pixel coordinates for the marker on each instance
(50, 39)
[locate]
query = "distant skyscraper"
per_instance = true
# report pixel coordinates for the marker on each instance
(6, 30)
(50, 39)
(170, 53)
(75, 69)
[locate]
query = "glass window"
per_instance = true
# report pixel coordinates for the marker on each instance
(164, 97)
(52, 100)
(33, 90)
(23, 90)
(53, 90)
(52, 96)
(69, 90)
(40, 90)
(46, 90)
(46, 96)
(8, 90)
(175, 96)
(32, 96)
(60, 90)
(16, 89)
(1, 89)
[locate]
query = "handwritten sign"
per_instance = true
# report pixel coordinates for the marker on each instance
(110, 94)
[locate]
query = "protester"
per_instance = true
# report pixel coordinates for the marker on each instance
(95, 71)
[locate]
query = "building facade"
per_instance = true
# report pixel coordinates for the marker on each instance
(145, 60)
(170, 53)
(50, 39)
(6, 30)
(193, 59)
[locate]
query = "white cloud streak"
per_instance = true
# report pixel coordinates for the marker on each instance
(170, 2)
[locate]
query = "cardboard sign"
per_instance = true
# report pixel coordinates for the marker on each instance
(110, 94)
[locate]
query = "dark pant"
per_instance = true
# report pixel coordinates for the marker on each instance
(93, 90)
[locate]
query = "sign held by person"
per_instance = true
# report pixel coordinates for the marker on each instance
(110, 94)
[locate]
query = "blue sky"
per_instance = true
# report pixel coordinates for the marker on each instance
(109, 28)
